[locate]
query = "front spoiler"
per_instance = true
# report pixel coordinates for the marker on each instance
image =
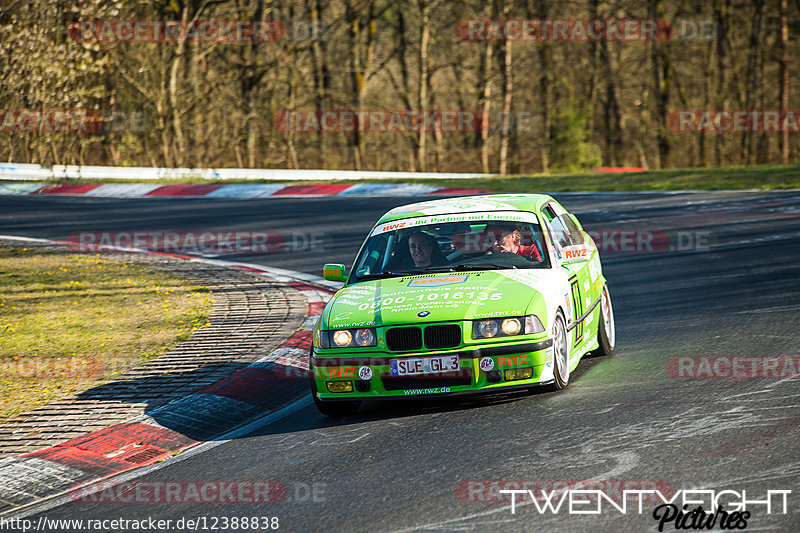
(471, 392)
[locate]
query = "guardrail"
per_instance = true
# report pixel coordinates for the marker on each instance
(30, 172)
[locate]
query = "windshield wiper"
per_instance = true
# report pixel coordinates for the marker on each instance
(462, 267)
(384, 274)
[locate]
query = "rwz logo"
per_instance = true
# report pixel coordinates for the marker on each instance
(395, 225)
(437, 281)
(341, 372)
(512, 361)
(573, 254)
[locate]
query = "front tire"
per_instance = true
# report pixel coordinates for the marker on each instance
(560, 353)
(606, 328)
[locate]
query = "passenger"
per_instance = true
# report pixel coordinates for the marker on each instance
(510, 241)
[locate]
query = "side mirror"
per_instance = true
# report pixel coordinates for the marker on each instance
(334, 272)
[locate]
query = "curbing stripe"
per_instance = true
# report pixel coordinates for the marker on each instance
(18, 189)
(183, 190)
(123, 190)
(91, 463)
(277, 354)
(314, 308)
(386, 189)
(261, 190)
(322, 189)
(28, 478)
(310, 322)
(67, 189)
(119, 436)
(300, 339)
(455, 191)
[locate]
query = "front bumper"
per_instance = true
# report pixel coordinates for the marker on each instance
(510, 365)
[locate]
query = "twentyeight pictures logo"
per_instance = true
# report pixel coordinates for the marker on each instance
(683, 509)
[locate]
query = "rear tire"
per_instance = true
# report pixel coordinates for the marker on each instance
(606, 328)
(333, 408)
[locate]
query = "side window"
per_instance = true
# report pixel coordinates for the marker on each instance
(559, 230)
(548, 215)
(574, 235)
(372, 256)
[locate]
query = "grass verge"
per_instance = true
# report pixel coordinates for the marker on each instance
(69, 322)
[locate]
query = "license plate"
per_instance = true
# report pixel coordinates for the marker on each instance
(423, 365)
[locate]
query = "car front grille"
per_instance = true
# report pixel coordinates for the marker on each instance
(446, 336)
(452, 379)
(403, 339)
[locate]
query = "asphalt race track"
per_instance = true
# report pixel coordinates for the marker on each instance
(697, 274)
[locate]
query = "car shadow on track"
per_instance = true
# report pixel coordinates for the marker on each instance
(185, 402)
(373, 410)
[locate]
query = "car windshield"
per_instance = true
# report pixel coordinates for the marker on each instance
(452, 247)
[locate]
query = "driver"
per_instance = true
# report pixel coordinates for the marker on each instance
(423, 249)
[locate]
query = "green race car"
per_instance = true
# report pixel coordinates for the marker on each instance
(462, 295)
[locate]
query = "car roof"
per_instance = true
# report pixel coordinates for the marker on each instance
(466, 204)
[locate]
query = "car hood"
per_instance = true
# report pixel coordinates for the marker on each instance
(445, 297)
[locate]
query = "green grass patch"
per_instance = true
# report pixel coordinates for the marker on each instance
(69, 322)
(716, 178)
(722, 178)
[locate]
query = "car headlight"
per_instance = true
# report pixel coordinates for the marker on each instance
(506, 327)
(347, 338)
(342, 338)
(510, 326)
(485, 329)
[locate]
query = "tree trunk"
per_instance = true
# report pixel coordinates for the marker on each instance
(721, 14)
(422, 87)
(753, 76)
(784, 78)
(404, 88)
(359, 64)
(508, 88)
(175, 100)
(545, 89)
(662, 82)
(322, 78)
